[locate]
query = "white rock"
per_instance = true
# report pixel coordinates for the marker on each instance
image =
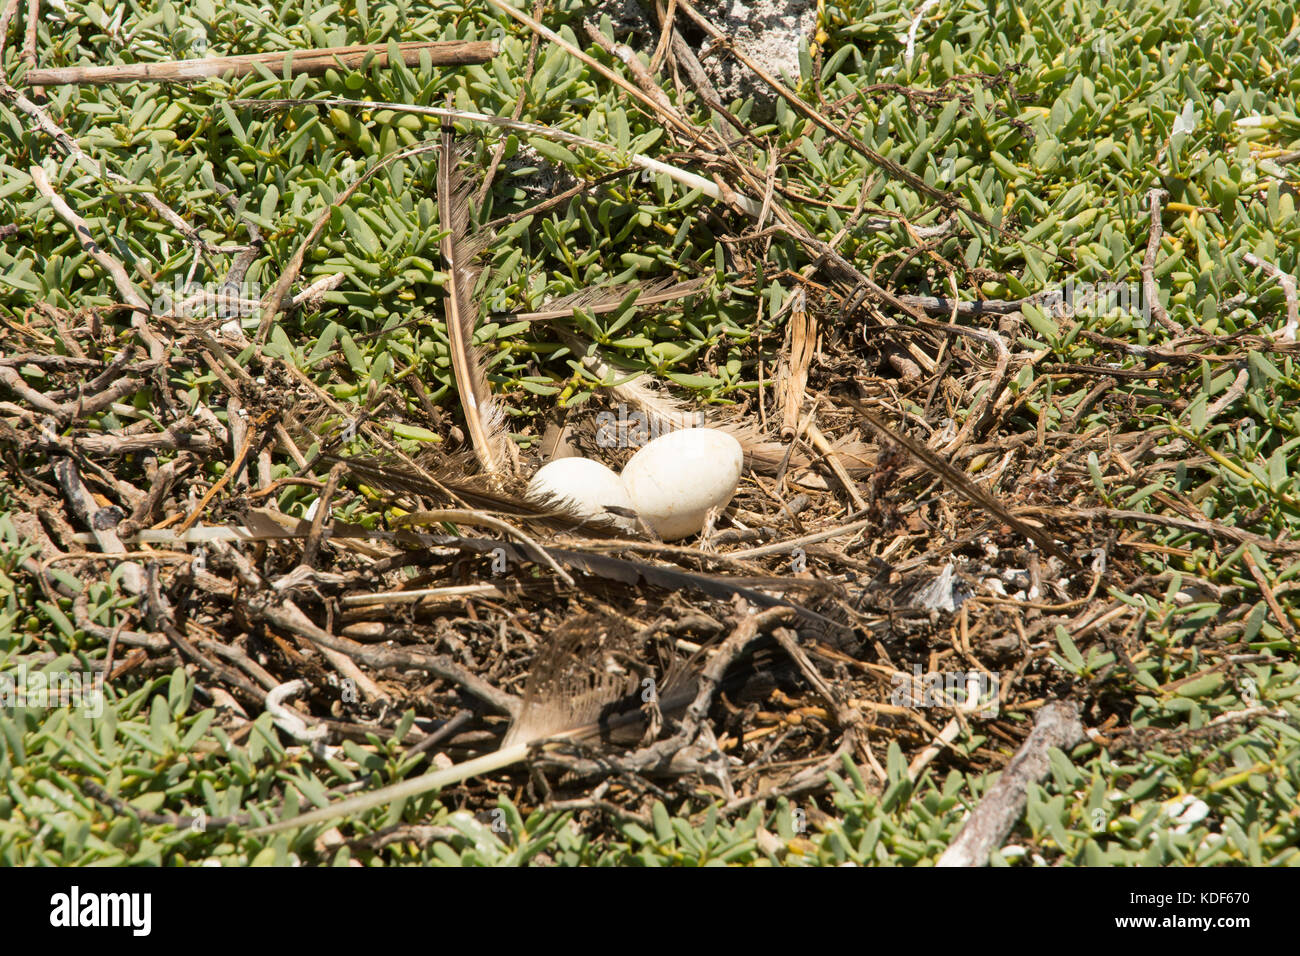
(585, 486)
(676, 479)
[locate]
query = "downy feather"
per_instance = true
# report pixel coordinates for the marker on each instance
(576, 690)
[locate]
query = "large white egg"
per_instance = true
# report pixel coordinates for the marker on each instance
(585, 486)
(674, 480)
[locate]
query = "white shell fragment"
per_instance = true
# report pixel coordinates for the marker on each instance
(585, 486)
(675, 479)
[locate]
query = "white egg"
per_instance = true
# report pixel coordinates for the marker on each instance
(586, 486)
(674, 480)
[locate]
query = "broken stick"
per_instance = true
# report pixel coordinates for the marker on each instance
(310, 62)
(1057, 726)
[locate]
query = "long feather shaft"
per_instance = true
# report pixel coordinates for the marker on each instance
(414, 787)
(686, 178)
(439, 779)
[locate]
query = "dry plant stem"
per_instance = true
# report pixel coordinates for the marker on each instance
(603, 806)
(110, 373)
(690, 65)
(1209, 528)
(92, 404)
(421, 835)
(782, 546)
(942, 740)
(1149, 288)
(688, 179)
(599, 545)
(845, 716)
(127, 493)
(14, 382)
(560, 198)
(29, 42)
(518, 111)
(311, 546)
(125, 288)
(976, 416)
(821, 443)
(939, 305)
(264, 466)
(11, 7)
(810, 778)
(670, 116)
(1288, 284)
(893, 168)
(59, 363)
(292, 62)
(959, 482)
(1266, 589)
(236, 466)
(666, 32)
(749, 628)
(239, 659)
(792, 371)
(159, 488)
(463, 516)
(1057, 725)
(639, 73)
(179, 436)
(177, 821)
(84, 507)
(227, 297)
(769, 192)
(289, 617)
(1234, 391)
(340, 660)
(1125, 740)
(222, 364)
(161, 616)
(840, 269)
(238, 434)
(419, 594)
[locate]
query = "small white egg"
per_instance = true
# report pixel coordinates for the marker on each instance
(586, 486)
(674, 480)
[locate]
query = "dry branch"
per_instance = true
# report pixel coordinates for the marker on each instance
(1149, 288)
(1057, 725)
(309, 62)
(1287, 282)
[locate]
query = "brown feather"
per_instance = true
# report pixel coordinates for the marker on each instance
(792, 370)
(574, 679)
(484, 417)
(505, 495)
